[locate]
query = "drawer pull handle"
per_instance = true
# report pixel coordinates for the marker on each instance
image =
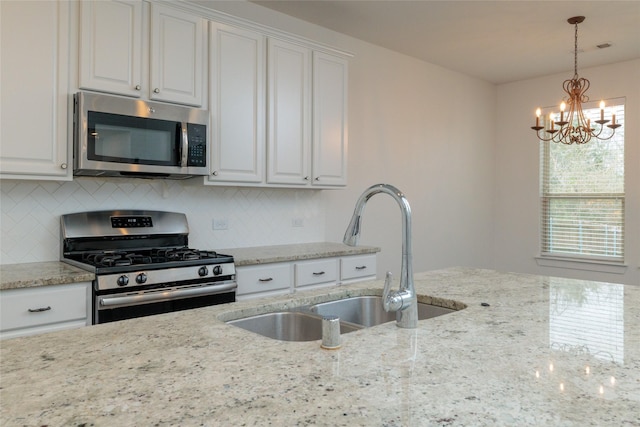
(362, 267)
(268, 279)
(319, 273)
(39, 310)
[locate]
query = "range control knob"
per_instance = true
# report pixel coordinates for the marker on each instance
(217, 270)
(123, 280)
(203, 271)
(141, 278)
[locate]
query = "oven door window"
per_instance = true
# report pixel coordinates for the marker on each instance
(133, 140)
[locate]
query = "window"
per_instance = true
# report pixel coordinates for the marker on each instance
(582, 195)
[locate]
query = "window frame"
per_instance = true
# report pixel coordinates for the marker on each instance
(612, 264)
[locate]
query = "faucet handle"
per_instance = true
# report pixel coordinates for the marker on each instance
(391, 301)
(387, 286)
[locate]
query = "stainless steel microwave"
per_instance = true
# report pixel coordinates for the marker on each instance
(118, 136)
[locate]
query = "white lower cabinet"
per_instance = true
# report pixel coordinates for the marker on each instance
(316, 273)
(357, 268)
(282, 278)
(263, 280)
(31, 311)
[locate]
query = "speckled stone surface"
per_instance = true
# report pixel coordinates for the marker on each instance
(29, 275)
(13, 276)
(294, 252)
(544, 352)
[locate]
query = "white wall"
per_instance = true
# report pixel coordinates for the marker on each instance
(424, 129)
(31, 210)
(427, 130)
(517, 162)
(459, 148)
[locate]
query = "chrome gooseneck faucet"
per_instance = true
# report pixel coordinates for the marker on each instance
(404, 301)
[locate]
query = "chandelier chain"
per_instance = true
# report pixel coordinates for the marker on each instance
(575, 53)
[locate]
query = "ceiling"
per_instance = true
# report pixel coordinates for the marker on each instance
(497, 41)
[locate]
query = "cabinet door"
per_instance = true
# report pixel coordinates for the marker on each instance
(176, 56)
(317, 272)
(263, 280)
(34, 100)
(111, 37)
(237, 104)
(37, 310)
(329, 120)
(289, 90)
(357, 268)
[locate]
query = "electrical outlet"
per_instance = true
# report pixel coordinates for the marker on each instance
(221, 224)
(297, 222)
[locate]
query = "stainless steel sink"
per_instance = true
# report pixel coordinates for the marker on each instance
(288, 326)
(305, 323)
(367, 310)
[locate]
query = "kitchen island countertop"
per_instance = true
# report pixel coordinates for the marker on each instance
(526, 350)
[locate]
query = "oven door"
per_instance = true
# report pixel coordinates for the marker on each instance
(129, 305)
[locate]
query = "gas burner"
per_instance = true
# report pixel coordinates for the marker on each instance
(116, 259)
(181, 254)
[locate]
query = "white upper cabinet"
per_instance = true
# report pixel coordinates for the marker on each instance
(279, 118)
(289, 122)
(117, 46)
(111, 35)
(237, 85)
(34, 85)
(329, 120)
(177, 56)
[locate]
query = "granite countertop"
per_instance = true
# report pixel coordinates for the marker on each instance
(543, 352)
(34, 274)
(28, 275)
(295, 252)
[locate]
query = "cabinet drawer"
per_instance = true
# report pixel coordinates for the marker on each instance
(263, 278)
(355, 267)
(26, 308)
(314, 272)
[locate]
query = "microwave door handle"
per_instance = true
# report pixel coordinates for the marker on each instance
(184, 145)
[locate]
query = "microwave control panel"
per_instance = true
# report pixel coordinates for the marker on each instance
(197, 135)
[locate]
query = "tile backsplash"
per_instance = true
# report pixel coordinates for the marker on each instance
(30, 212)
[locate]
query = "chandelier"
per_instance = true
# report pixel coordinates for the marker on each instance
(572, 126)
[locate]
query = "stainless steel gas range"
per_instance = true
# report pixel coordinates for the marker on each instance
(143, 264)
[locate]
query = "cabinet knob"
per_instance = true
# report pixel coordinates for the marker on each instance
(306, 178)
(214, 173)
(156, 90)
(138, 87)
(63, 166)
(317, 178)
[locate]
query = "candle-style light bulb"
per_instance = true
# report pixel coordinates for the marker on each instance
(601, 110)
(538, 112)
(562, 107)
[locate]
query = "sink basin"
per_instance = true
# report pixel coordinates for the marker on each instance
(288, 326)
(305, 323)
(368, 311)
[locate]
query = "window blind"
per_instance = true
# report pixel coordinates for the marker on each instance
(582, 195)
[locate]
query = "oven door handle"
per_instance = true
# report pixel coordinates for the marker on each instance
(167, 295)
